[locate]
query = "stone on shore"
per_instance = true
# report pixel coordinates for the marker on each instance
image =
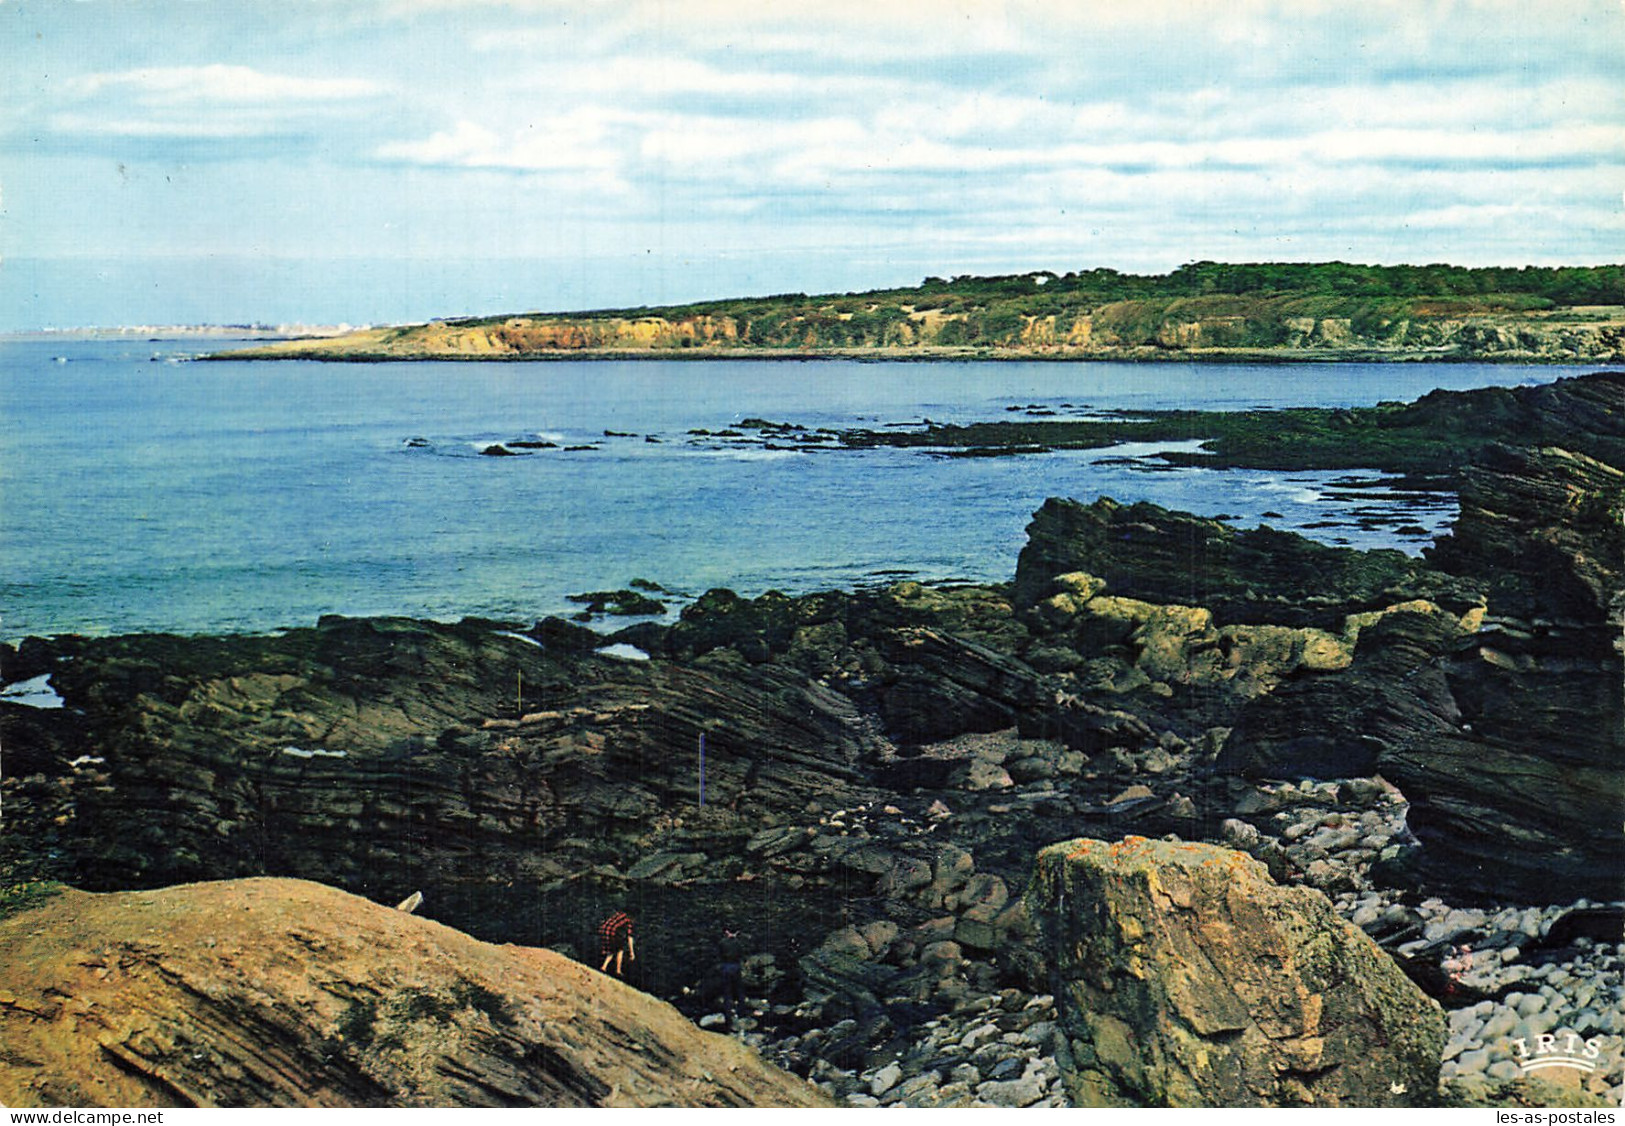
(1189, 978)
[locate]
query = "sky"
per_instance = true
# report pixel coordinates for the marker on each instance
(365, 161)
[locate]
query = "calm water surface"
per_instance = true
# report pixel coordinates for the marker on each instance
(137, 493)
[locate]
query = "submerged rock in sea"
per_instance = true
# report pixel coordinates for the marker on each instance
(1187, 977)
(271, 992)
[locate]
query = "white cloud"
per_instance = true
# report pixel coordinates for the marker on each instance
(214, 102)
(577, 145)
(960, 134)
(466, 146)
(845, 30)
(218, 83)
(214, 128)
(648, 78)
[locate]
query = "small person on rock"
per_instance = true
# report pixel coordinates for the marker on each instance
(615, 943)
(730, 960)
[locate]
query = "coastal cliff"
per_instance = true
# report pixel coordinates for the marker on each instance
(1193, 331)
(1326, 311)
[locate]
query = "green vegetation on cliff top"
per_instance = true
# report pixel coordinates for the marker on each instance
(1207, 309)
(1341, 289)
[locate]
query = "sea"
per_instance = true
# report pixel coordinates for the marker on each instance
(141, 491)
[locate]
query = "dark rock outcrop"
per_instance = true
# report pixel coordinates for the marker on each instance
(1430, 441)
(1187, 977)
(1144, 551)
(1506, 728)
(1547, 528)
(286, 993)
(379, 754)
(1579, 413)
(1395, 692)
(945, 686)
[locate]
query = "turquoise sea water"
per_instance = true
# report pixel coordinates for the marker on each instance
(141, 493)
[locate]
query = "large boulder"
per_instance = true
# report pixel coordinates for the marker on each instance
(1187, 977)
(270, 992)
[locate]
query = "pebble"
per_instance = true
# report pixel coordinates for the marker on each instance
(918, 1085)
(1015, 1093)
(977, 1035)
(1338, 839)
(885, 1079)
(1012, 1068)
(1530, 1005)
(1465, 920)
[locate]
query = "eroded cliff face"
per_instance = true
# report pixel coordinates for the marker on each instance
(1215, 327)
(269, 992)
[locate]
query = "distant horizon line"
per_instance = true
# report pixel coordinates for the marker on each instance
(322, 327)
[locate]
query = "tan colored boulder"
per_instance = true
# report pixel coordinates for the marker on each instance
(1187, 977)
(274, 992)
(1175, 642)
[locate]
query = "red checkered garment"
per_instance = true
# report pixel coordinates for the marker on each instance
(612, 933)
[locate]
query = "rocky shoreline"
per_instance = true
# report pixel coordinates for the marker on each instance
(1038, 324)
(1429, 750)
(305, 350)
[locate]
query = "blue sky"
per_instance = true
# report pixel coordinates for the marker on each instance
(399, 159)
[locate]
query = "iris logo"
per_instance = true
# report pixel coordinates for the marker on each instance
(1553, 1050)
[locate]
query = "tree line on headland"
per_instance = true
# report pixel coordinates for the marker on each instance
(1548, 286)
(1213, 309)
